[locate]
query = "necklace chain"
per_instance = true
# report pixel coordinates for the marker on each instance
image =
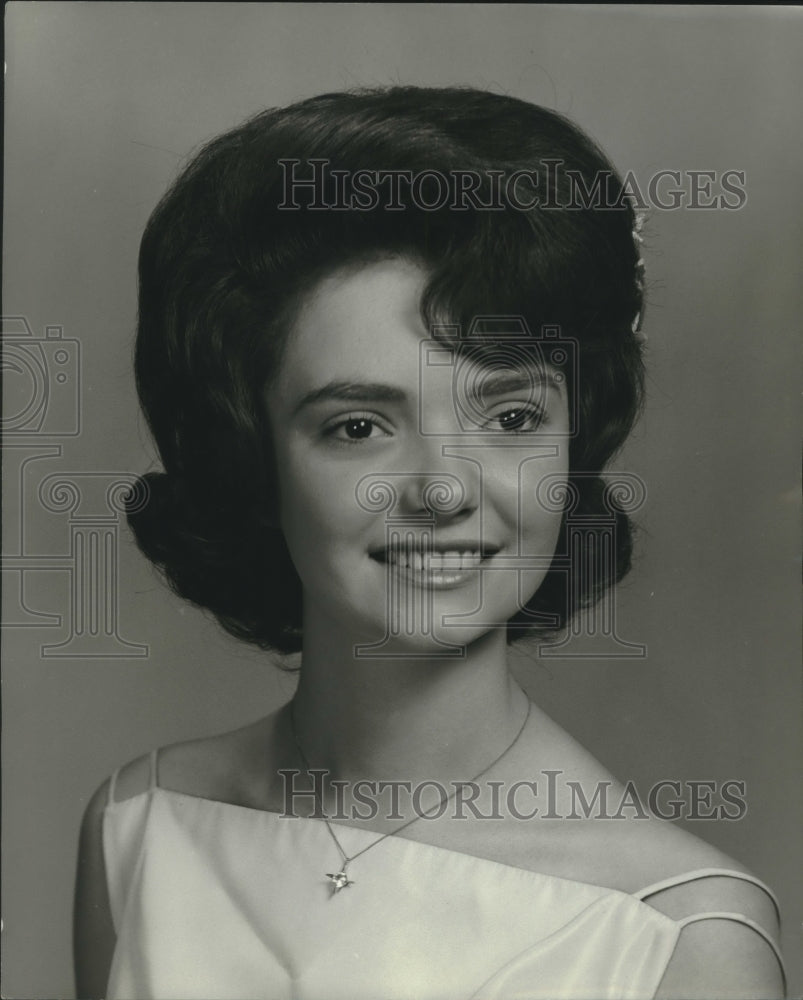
(340, 879)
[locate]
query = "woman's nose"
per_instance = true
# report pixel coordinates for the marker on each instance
(431, 482)
(440, 497)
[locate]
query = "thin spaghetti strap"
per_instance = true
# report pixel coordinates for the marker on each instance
(738, 918)
(154, 770)
(110, 799)
(693, 876)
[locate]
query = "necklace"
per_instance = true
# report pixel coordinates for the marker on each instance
(340, 880)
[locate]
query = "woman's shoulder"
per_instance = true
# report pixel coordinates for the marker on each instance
(682, 875)
(728, 918)
(668, 866)
(603, 832)
(227, 767)
(679, 873)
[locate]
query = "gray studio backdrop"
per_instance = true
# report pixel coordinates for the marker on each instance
(103, 102)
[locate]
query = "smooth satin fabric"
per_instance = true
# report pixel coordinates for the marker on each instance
(214, 901)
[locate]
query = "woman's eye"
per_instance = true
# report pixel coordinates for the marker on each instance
(356, 428)
(516, 419)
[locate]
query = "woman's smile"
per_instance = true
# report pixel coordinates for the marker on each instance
(425, 565)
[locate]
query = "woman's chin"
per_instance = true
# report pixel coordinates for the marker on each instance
(446, 642)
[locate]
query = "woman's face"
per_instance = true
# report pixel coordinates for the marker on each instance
(407, 491)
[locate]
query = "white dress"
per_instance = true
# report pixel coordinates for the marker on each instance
(212, 900)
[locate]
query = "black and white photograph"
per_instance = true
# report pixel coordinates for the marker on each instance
(401, 501)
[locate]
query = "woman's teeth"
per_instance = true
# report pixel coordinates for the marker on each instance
(434, 562)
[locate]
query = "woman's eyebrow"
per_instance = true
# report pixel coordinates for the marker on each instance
(372, 392)
(516, 380)
(359, 392)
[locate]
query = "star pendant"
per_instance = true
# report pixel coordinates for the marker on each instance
(339, 881)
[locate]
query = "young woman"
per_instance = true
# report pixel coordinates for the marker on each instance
(388, 342)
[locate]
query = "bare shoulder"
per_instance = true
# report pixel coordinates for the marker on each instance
(677, 872)
(720, 959)
(690, 881)
(605, 836)
(680, 874)
(227, 767)
(608, 830)
(722, 950)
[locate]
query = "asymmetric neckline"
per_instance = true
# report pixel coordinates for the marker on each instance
(640, 894)
(219, 900)
(271, 815)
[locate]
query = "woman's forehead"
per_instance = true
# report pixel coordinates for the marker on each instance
(367, 295)
(367, 320)
(362, 320)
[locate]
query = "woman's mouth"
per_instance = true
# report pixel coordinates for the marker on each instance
(435, 568)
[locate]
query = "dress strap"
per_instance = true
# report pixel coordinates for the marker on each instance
(153, 777)
(693, 876)
(110, 799)
(738, 918)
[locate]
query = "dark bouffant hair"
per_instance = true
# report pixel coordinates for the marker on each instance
(225, 261)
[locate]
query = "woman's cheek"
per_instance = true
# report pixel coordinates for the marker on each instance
(319, 498)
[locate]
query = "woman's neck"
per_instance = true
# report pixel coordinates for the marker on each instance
(404, 718)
